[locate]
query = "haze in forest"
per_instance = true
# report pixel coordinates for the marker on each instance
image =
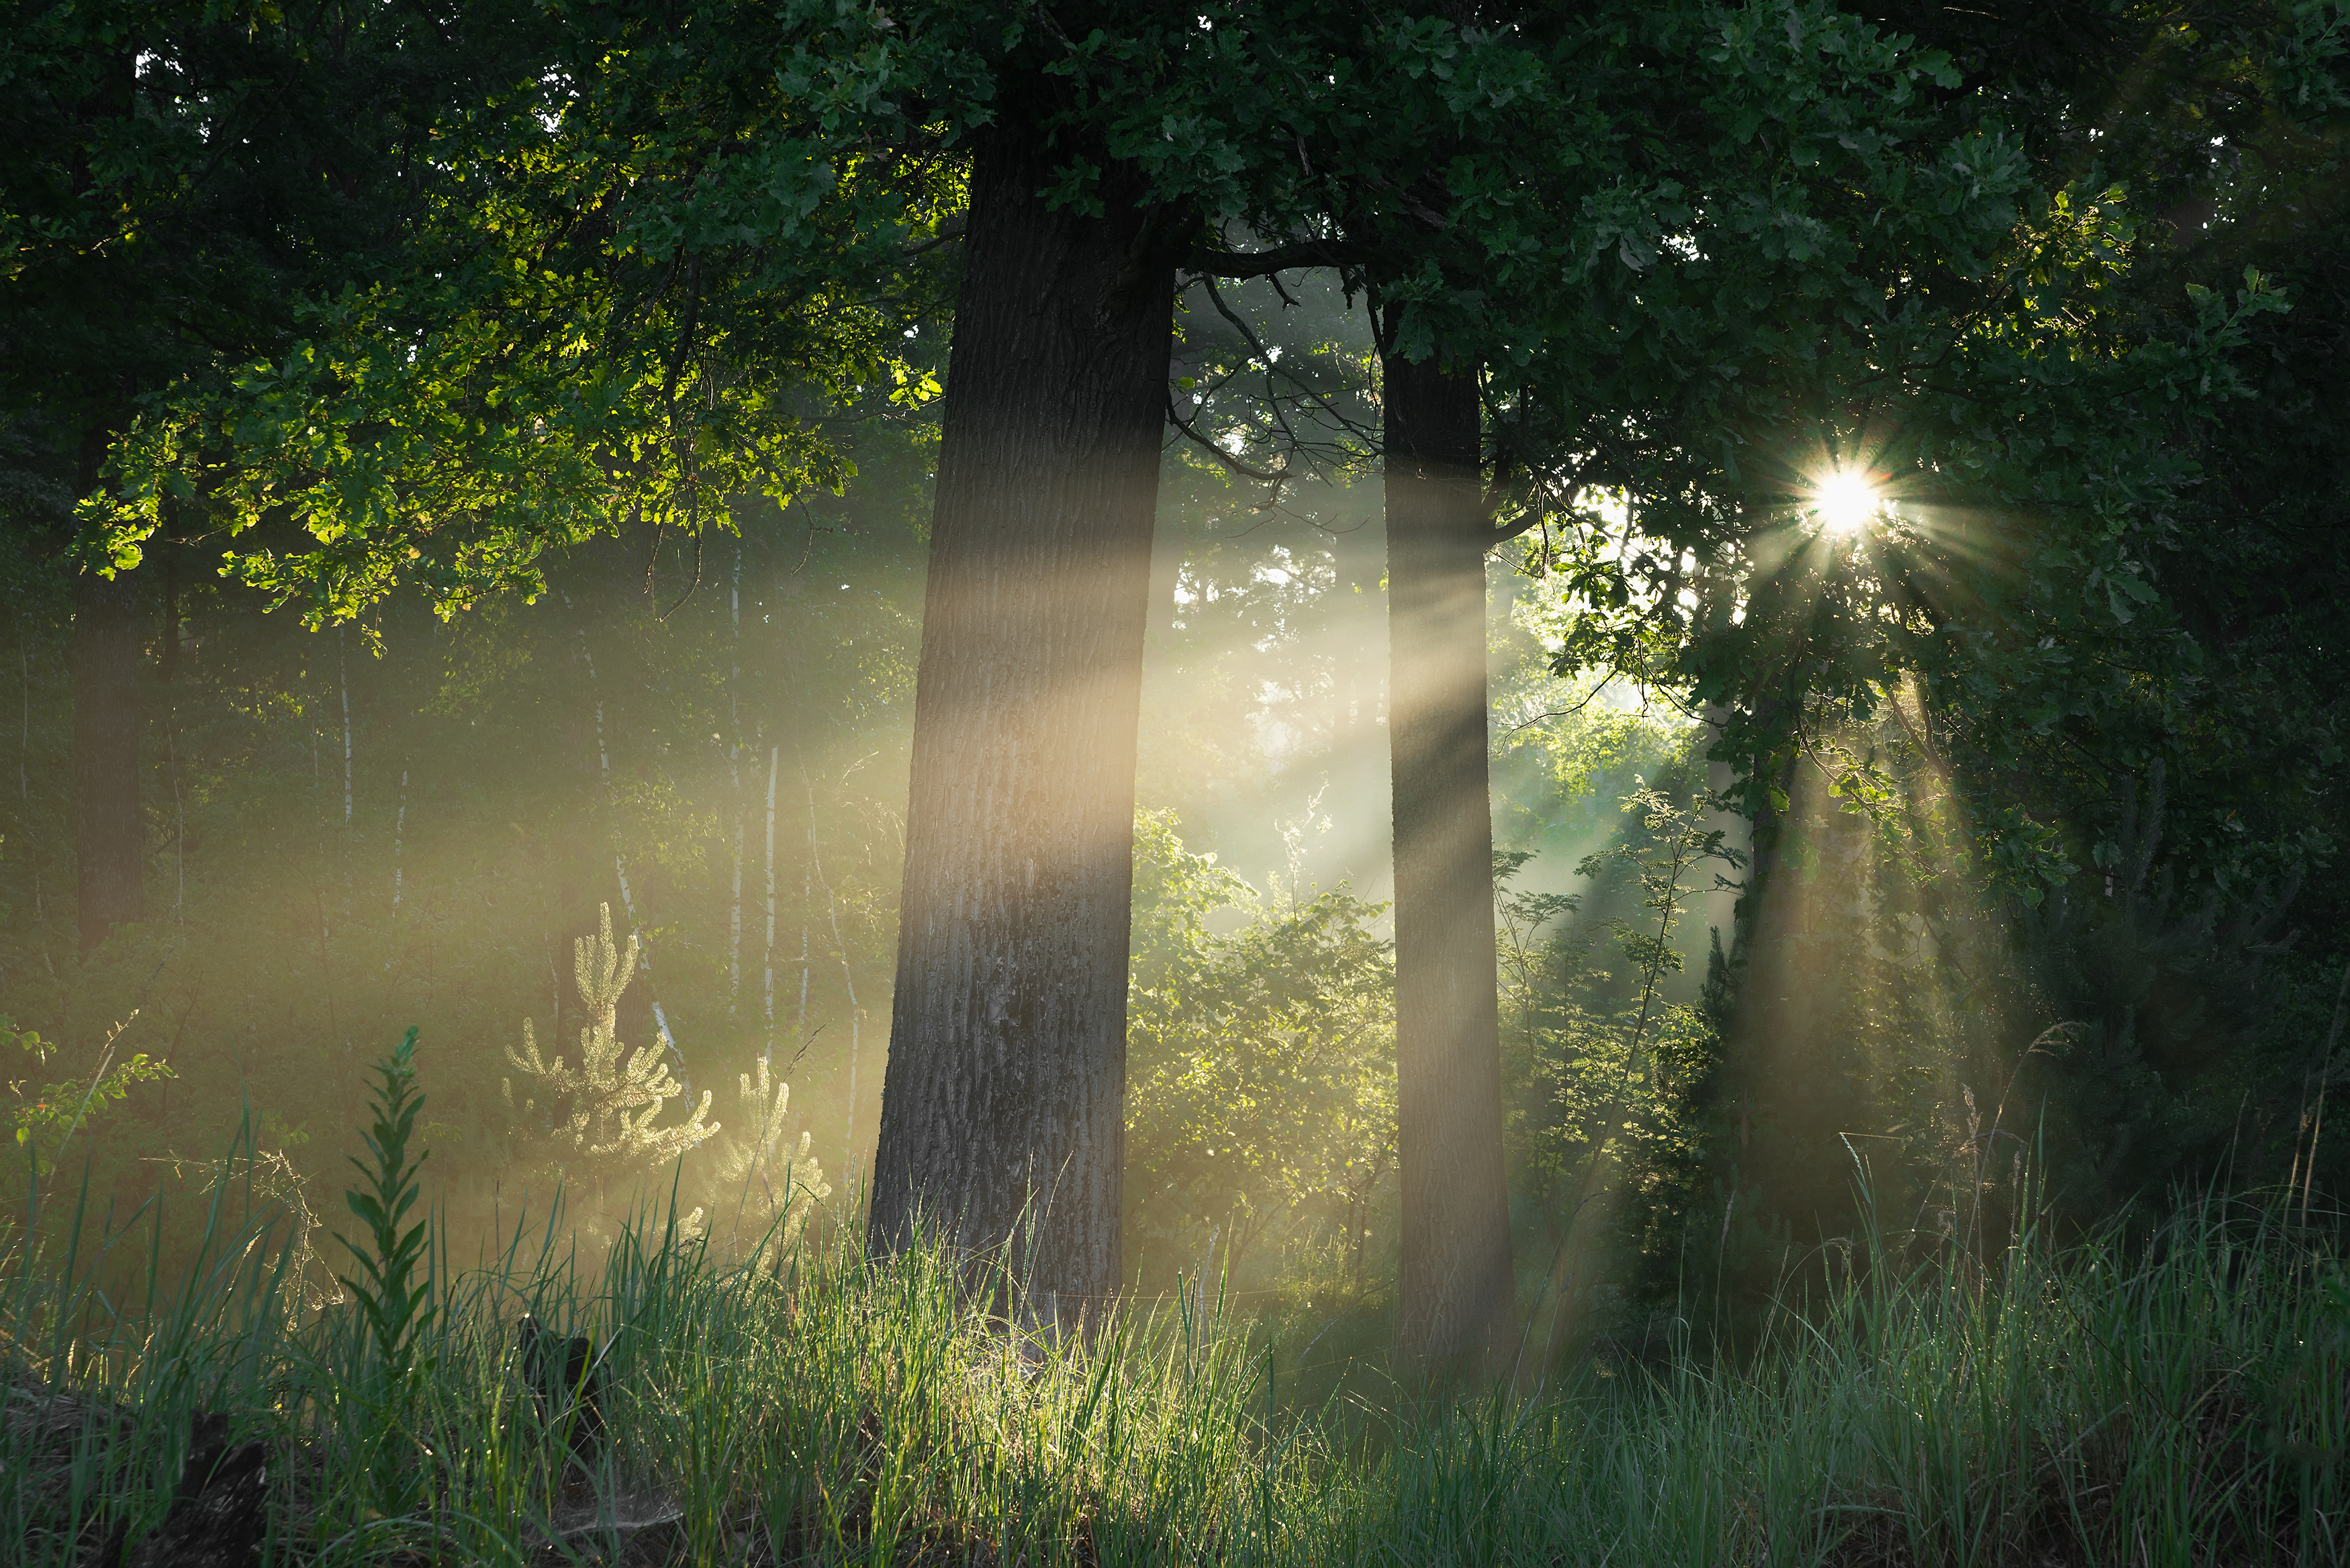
(417, 821)
(654, 561)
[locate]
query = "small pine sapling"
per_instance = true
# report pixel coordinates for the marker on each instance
(601, 1116)
(764, 1176)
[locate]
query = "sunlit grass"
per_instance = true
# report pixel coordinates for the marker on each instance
(2182, 1404)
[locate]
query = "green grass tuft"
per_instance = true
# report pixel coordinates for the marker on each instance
(2186, 1403)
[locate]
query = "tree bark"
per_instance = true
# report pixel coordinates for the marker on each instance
(1457, 1297)
(1002, 1111)
(109, 834)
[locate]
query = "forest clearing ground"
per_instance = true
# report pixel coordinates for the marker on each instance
(2184, 1401)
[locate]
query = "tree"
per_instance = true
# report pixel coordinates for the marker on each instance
(182, 178)
(2037, 416)
(1461, 170)
(760, 1172)
(1592, 242)
(1002, 1115)
(1457, 1288)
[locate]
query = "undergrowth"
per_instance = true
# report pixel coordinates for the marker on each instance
(2179, 1403)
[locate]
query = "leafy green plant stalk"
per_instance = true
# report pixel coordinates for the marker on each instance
(395, 1303)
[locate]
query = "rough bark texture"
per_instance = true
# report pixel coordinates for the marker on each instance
(1456, 1293)
(108, 832)
(1005, 1094)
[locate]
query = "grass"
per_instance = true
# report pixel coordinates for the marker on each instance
(2185, 1402)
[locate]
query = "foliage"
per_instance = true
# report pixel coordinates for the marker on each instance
(635, 259)
(2040, 447)
(516, 309)
(601, 1117)
(1909, 1020)
(1611, 1083)
(46, 1119)
(2156, 1010)
(186, 176)
(397, 1306)
(1676, 844)
(1261, 1064)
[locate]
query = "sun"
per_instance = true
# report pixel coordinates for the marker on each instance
(1845, 500)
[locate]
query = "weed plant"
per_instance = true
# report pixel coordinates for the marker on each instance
(2183, 1404)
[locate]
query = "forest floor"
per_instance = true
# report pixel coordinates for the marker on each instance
(2182, 1401)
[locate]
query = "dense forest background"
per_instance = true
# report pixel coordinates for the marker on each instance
(413, 822)
(2061, 903)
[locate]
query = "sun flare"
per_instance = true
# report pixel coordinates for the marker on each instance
(1845, 500)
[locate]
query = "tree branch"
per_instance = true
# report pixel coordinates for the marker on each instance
(1231, 462)
(1294, 257)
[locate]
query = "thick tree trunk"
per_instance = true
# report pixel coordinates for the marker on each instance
(1002, 1110)
(110, 834)
(1457, 1298)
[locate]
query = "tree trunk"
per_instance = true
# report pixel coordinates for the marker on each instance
(1722, 892)
(1002, 1114)
(1795, 1088)
(110, 834)
(1457, 1297)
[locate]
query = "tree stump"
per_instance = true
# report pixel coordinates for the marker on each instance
(219, 1513)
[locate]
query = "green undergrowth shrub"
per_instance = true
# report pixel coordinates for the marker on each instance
(2179, 1403)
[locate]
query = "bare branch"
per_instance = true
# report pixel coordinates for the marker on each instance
(1296, 258)
(1246, 471)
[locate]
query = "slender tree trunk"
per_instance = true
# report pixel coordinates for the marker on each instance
(1002, 1111)
(343, 676)
(848, 981)
(109, 834)
(1720, 773)
(767, 1053)
(24, 773)
(167, 662)
(1456, 1295)
(735, 771)
(399, 842)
